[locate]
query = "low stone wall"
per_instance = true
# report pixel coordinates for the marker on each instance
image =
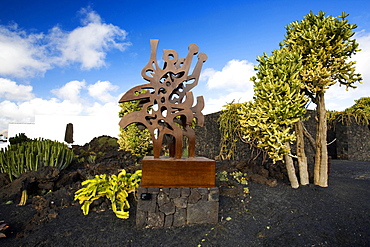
(166, 207)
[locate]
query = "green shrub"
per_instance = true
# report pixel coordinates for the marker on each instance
(229, 122)
(132, 139)
(32, 155)
(115, 188)
(359, 113)
(19, 138)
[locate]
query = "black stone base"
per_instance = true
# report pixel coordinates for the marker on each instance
(166, 207)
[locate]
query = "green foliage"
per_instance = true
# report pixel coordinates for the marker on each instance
(237, 176)
(19, 138)
(331, 117)
(358, 113)
(131, 138)
(231, 132)
(32, 155)
(105, 141)
(240, 177)
(324, 43)
(222, 176)
(278, 103)
(115, 188)
(229, 122)
(91, 159)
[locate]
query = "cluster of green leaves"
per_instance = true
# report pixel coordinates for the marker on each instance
(131, 138)
(115, 188)
(32, 155)
(231, 133)
(324, 44)
(239, 177)
(106, 141)
(358, 113)
(277, 105)
(90, 157)
(19, 138)
(229, 122)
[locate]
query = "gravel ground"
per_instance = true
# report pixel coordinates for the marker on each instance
(267, 216)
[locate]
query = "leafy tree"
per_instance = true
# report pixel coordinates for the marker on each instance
(277, 106)
(135, 137)
(325, 44)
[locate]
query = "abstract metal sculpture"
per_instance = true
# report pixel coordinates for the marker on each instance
(167, 103)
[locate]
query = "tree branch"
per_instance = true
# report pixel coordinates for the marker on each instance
(309, 137)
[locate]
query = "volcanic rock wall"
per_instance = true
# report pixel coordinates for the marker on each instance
(348, 142)
(353, 142)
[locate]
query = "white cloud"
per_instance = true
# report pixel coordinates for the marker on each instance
(337, 98)
(20, 54)
(89, 16)
(216, 104)
(232, 83)
(100, 90)
(27, 55)
(70, 91)
(363, 57)
(71, 99)
(235, 75)
(24, 112)
(10, 90)
(8, 109)
(109, 109)
(88, 44)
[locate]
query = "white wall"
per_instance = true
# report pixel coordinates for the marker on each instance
(85, 128)
(15, 128)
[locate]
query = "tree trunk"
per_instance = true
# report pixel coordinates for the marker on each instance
(302, 159)
(321, 157)
(290, 169)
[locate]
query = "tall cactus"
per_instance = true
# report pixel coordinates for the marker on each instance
(32, 155)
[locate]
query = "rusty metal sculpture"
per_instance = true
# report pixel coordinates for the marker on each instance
(167, 103)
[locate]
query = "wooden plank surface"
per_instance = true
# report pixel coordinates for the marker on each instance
(166, 172)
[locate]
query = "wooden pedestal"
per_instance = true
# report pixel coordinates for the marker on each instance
(167, 172)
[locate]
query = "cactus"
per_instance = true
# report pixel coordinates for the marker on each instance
(32, 155)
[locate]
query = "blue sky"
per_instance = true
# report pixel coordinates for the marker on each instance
(79, 57)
